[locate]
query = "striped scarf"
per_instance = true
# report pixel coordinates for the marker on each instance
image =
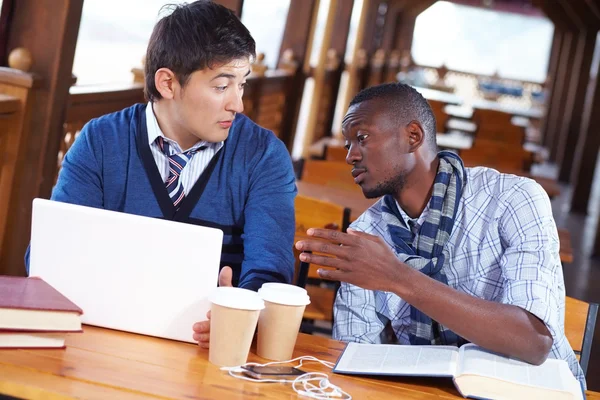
(424, 251)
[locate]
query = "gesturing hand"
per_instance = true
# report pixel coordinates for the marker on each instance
(360, 259)
(202, 329)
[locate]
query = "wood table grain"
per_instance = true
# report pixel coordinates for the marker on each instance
(101, 364)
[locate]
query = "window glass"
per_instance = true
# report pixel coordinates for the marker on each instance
(268, 35)
(485, 42)
(113, 36)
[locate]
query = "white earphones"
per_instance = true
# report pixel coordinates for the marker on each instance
(315, 385)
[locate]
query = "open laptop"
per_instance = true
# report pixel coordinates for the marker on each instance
(126, 272)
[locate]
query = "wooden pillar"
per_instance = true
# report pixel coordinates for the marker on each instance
(234, 5)
(588, 145)
(572, 124)
(334, 68)
(407, 18)
(5, 13)
(318, 74)
(560, 89)
(298, 29)
(57, 23)
(555, 56)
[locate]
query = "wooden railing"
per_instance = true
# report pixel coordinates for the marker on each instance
(88, 102)
(264, 102)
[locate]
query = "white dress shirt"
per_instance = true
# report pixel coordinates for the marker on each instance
(193, 169)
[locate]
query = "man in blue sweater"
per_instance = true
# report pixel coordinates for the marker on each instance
(189, 155)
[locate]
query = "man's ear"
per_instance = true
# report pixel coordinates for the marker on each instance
(165, 82)
(416, 135)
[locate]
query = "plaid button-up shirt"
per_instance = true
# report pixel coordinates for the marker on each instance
(504, 247)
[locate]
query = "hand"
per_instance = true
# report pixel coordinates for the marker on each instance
(360, 259)
(202, 329)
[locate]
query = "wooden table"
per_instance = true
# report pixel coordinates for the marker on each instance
(533, 113)
(454, 141)
(106, 364)
(438, 95)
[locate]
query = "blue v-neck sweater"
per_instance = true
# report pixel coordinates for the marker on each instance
(247, 190)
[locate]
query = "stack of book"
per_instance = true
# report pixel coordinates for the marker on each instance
(35, 315)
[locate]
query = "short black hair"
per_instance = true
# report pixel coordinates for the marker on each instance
(404, 103)
(192, 37)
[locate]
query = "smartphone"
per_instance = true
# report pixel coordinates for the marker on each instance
(268, 372)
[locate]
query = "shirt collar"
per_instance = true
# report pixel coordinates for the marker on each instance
(154, 132)
(417, 222)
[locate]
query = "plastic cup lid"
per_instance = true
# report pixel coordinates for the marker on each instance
(283, 286)
(292, 296)
(239, 298)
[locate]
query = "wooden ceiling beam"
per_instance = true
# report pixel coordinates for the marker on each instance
(579, 10)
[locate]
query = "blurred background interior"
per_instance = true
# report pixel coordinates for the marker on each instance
(513, 85)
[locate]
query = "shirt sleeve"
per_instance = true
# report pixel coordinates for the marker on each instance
(355, 311)
(80, 178)
(355, 316)
(269, 220)
(530, 264)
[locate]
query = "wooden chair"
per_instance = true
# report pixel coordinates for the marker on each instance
(329, 173)
(335, 153)
(566, 249)
(497, 126)
(503, 157)
(580, 322)
(313, 213)
(441, 118)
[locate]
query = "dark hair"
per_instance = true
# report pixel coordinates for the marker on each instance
(195, 36)
(404, 103)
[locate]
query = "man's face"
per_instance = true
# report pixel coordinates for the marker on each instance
(206, 106)
(377, 148)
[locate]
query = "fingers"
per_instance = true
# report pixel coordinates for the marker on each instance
(331, 274)
(201, 327)
(334, 236)
(323, 260)
(226, 276)
(203, 340)
(321, 246)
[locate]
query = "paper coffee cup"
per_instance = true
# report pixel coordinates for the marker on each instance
(280, 320)
(234, 315)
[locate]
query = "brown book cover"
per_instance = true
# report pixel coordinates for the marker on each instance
(33, 294)
(31, 304)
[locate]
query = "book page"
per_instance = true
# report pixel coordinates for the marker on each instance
(552, 374)
(386, 359)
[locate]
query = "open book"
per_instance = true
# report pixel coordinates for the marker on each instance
(477, 373)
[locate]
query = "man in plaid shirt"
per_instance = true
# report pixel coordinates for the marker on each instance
(449, 254)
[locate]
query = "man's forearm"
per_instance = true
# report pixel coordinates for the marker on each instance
(502, 328)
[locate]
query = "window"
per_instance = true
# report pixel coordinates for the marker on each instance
(111, 43)
(268, 35)
(483, 42)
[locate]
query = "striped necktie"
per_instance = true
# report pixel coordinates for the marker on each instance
(177, 162)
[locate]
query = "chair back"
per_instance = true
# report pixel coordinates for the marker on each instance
(441, 118)
(497, 126)
(580, 323)
(314, 213)
(336, 153)
(329, 173)
(503, 157)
